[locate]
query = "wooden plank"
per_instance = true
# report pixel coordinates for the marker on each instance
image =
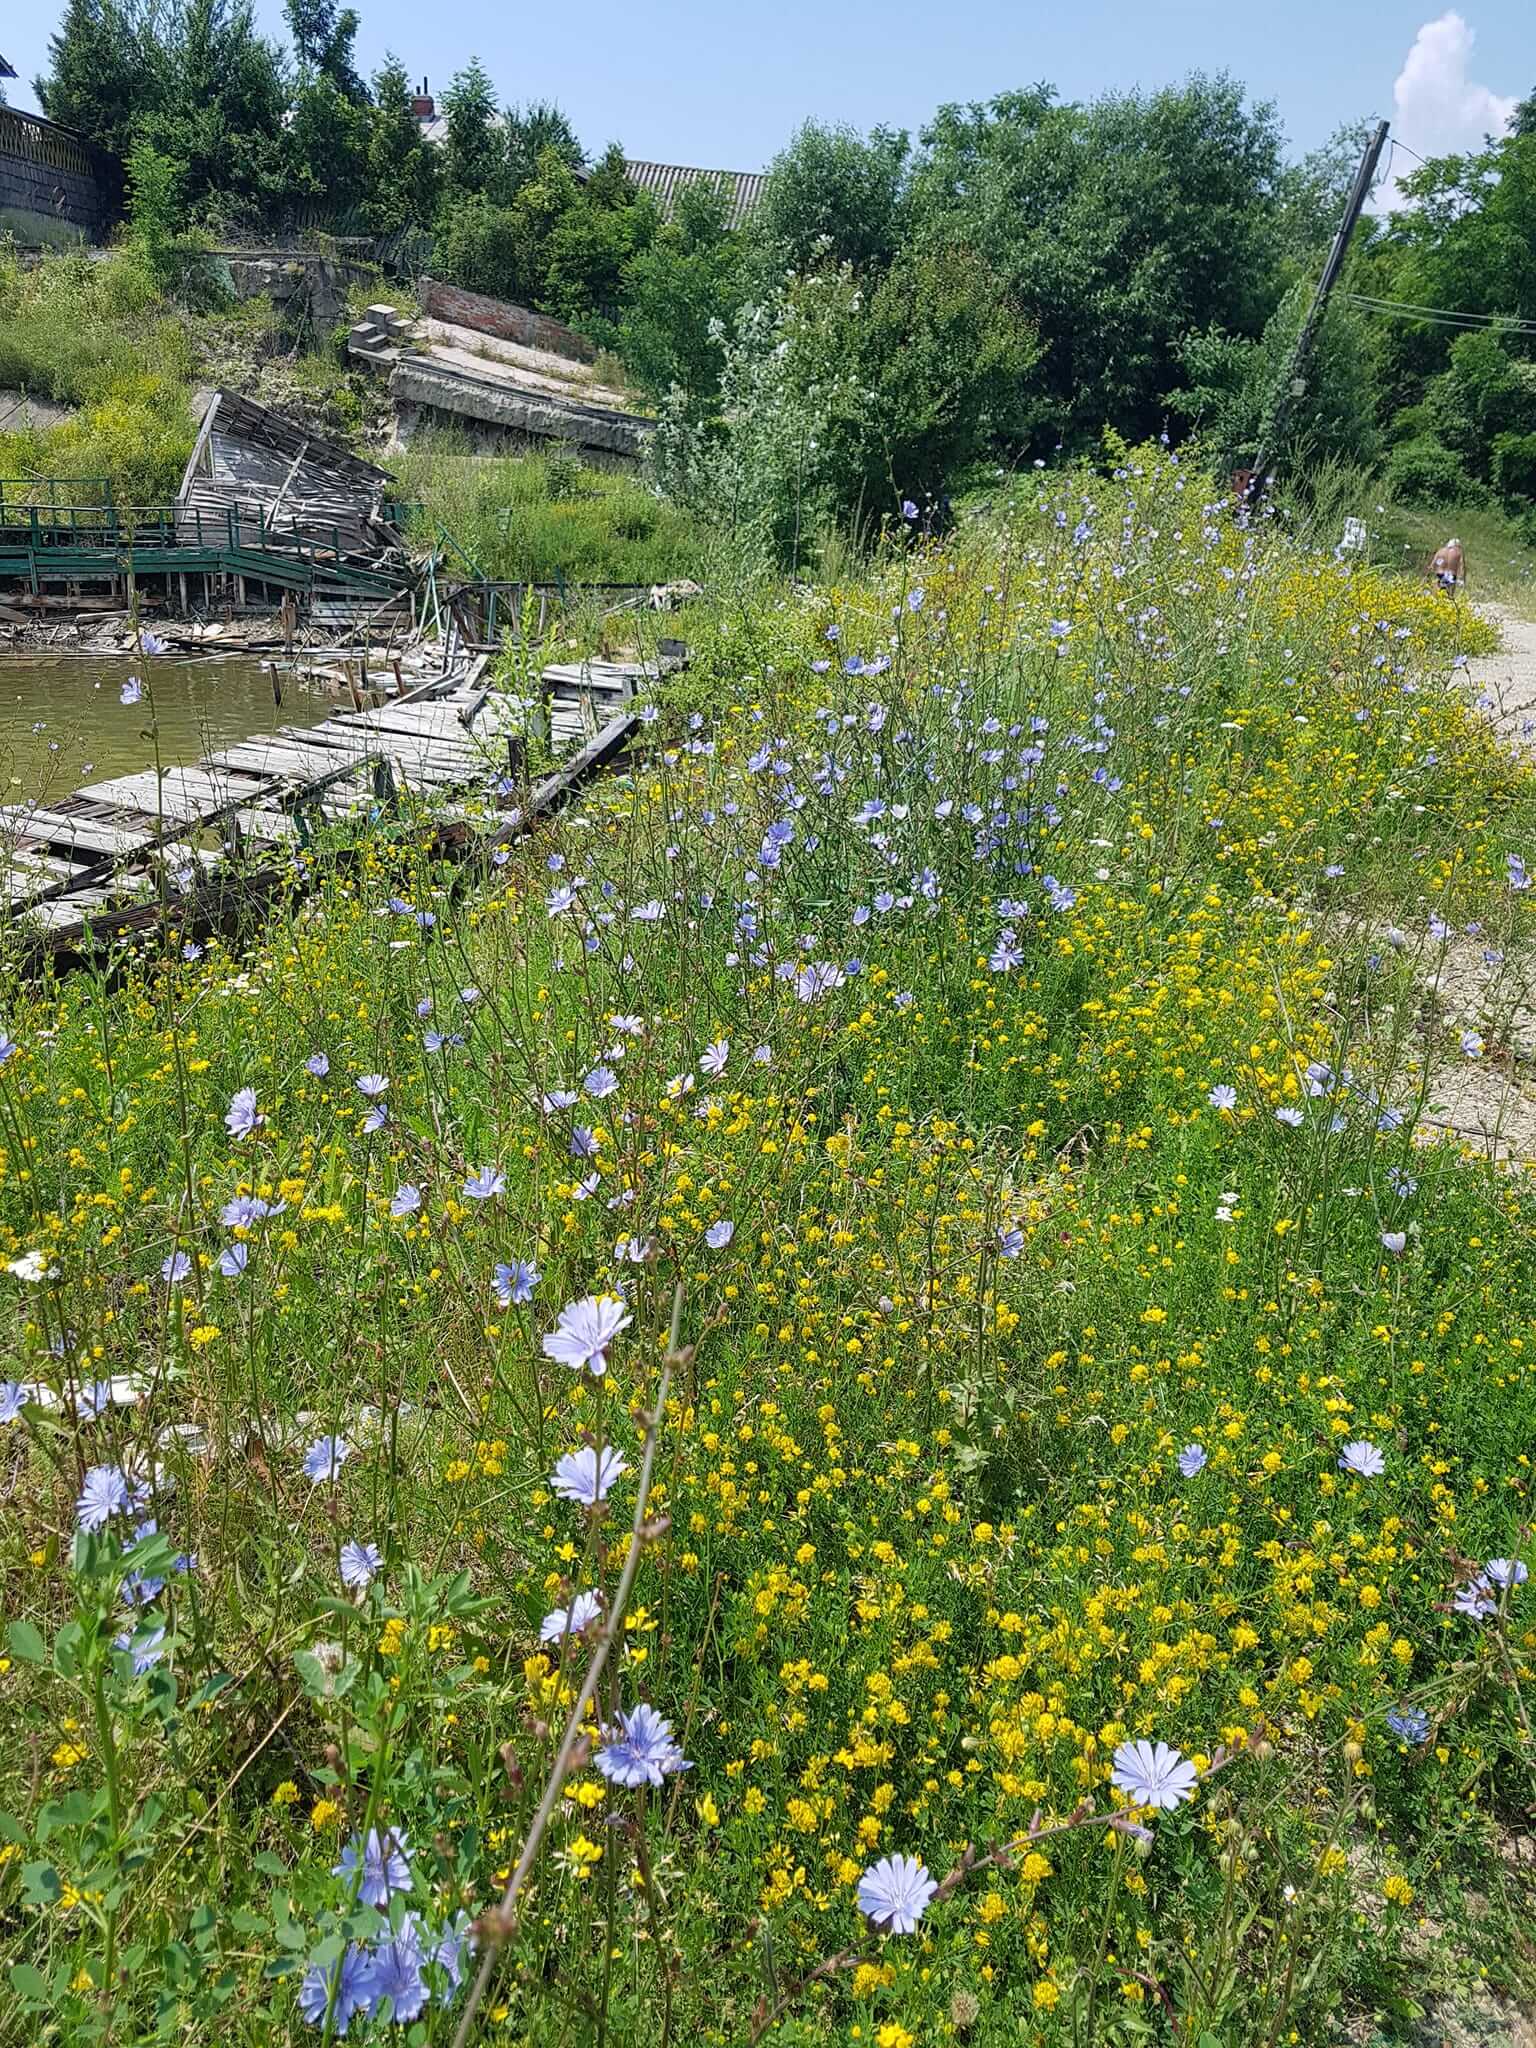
(415, 760)
(182, 794)
(270, 826)
(272, 758)
(55, 828)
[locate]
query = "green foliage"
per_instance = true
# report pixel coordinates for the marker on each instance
(100, 70)
(154, 206)
(323, 38)
(73, 327)
(1234, 382)
(329, 143)
(1427, 472)
(474, 152)
(528, 132)
(1461, 240)
(679, 291)
(558, 244)
(537, 519)
(215, 102)
(138, 434)
(1116, 229)
(838, 402)
(1484, 399)
(832, 195)
(403, 171)
(1312, 193)
(564, 477)
(584, 237)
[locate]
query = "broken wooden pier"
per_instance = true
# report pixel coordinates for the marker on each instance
(102, 855)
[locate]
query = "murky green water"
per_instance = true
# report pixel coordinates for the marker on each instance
(62, 722)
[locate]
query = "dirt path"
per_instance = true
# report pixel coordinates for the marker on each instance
(1509, 676)
(1489, 1104)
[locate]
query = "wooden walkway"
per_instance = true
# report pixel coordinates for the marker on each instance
(85, 855)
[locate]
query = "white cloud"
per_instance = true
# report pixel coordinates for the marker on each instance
(1439, 108)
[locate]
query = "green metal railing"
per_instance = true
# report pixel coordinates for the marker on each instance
(62, 540)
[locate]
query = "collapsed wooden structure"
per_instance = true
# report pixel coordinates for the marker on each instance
(266, 511)
(170, 835)
(265, 476)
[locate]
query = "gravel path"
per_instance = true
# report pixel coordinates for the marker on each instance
(1489, 1105)
(1509, 676)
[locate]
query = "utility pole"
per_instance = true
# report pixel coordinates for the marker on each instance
(1293, 382)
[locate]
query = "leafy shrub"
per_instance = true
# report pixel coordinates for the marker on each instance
(563, 475)
(138, 435)
(1428, 472)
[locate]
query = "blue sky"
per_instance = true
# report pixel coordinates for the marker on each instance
(695, 82)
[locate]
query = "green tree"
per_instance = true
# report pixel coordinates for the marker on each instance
(587, 235)
(1115, 228)
(323, 38)
(402, 169)
(474, 153)
(1483, 403)
(679, 292)
(328, 139)
(475, 245)
(832, 194)
(1463, 239)
(1312, 193)
(836, 401)
(529, 131)
(1232, 381)
(219, 107)
(101, 73)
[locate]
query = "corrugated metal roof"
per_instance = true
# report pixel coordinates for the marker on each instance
(665, 181)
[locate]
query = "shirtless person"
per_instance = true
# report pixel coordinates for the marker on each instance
(1448, 570)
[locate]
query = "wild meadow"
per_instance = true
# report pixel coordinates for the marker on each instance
(855, 1394)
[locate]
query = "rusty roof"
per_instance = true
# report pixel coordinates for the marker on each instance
(665, 181)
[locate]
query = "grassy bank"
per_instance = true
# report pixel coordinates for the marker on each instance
(1501, 562)
(538, 518)
(99, 336)
(988, 1018)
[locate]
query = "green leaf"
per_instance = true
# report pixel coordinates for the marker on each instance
(31, 1985)
(220, 1682)
(268, 1864)
(40, 1884)
(27, 1645)
(73, 1810)
(320, 1682)
(11, 1828)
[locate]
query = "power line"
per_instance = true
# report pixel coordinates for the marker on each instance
(1441, 316)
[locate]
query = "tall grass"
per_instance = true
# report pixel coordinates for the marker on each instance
(536, 518)
(958, 1117)
(1402, 537)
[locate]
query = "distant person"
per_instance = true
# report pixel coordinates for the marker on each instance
(1448, 568)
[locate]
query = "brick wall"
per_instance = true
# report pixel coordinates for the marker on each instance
(508, 323)
(49, 174)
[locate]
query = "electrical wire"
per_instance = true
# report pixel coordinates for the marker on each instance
(1440, 316)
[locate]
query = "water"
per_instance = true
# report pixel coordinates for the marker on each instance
(62, 722)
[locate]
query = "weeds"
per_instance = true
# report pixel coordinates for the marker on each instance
(1064, 1580)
